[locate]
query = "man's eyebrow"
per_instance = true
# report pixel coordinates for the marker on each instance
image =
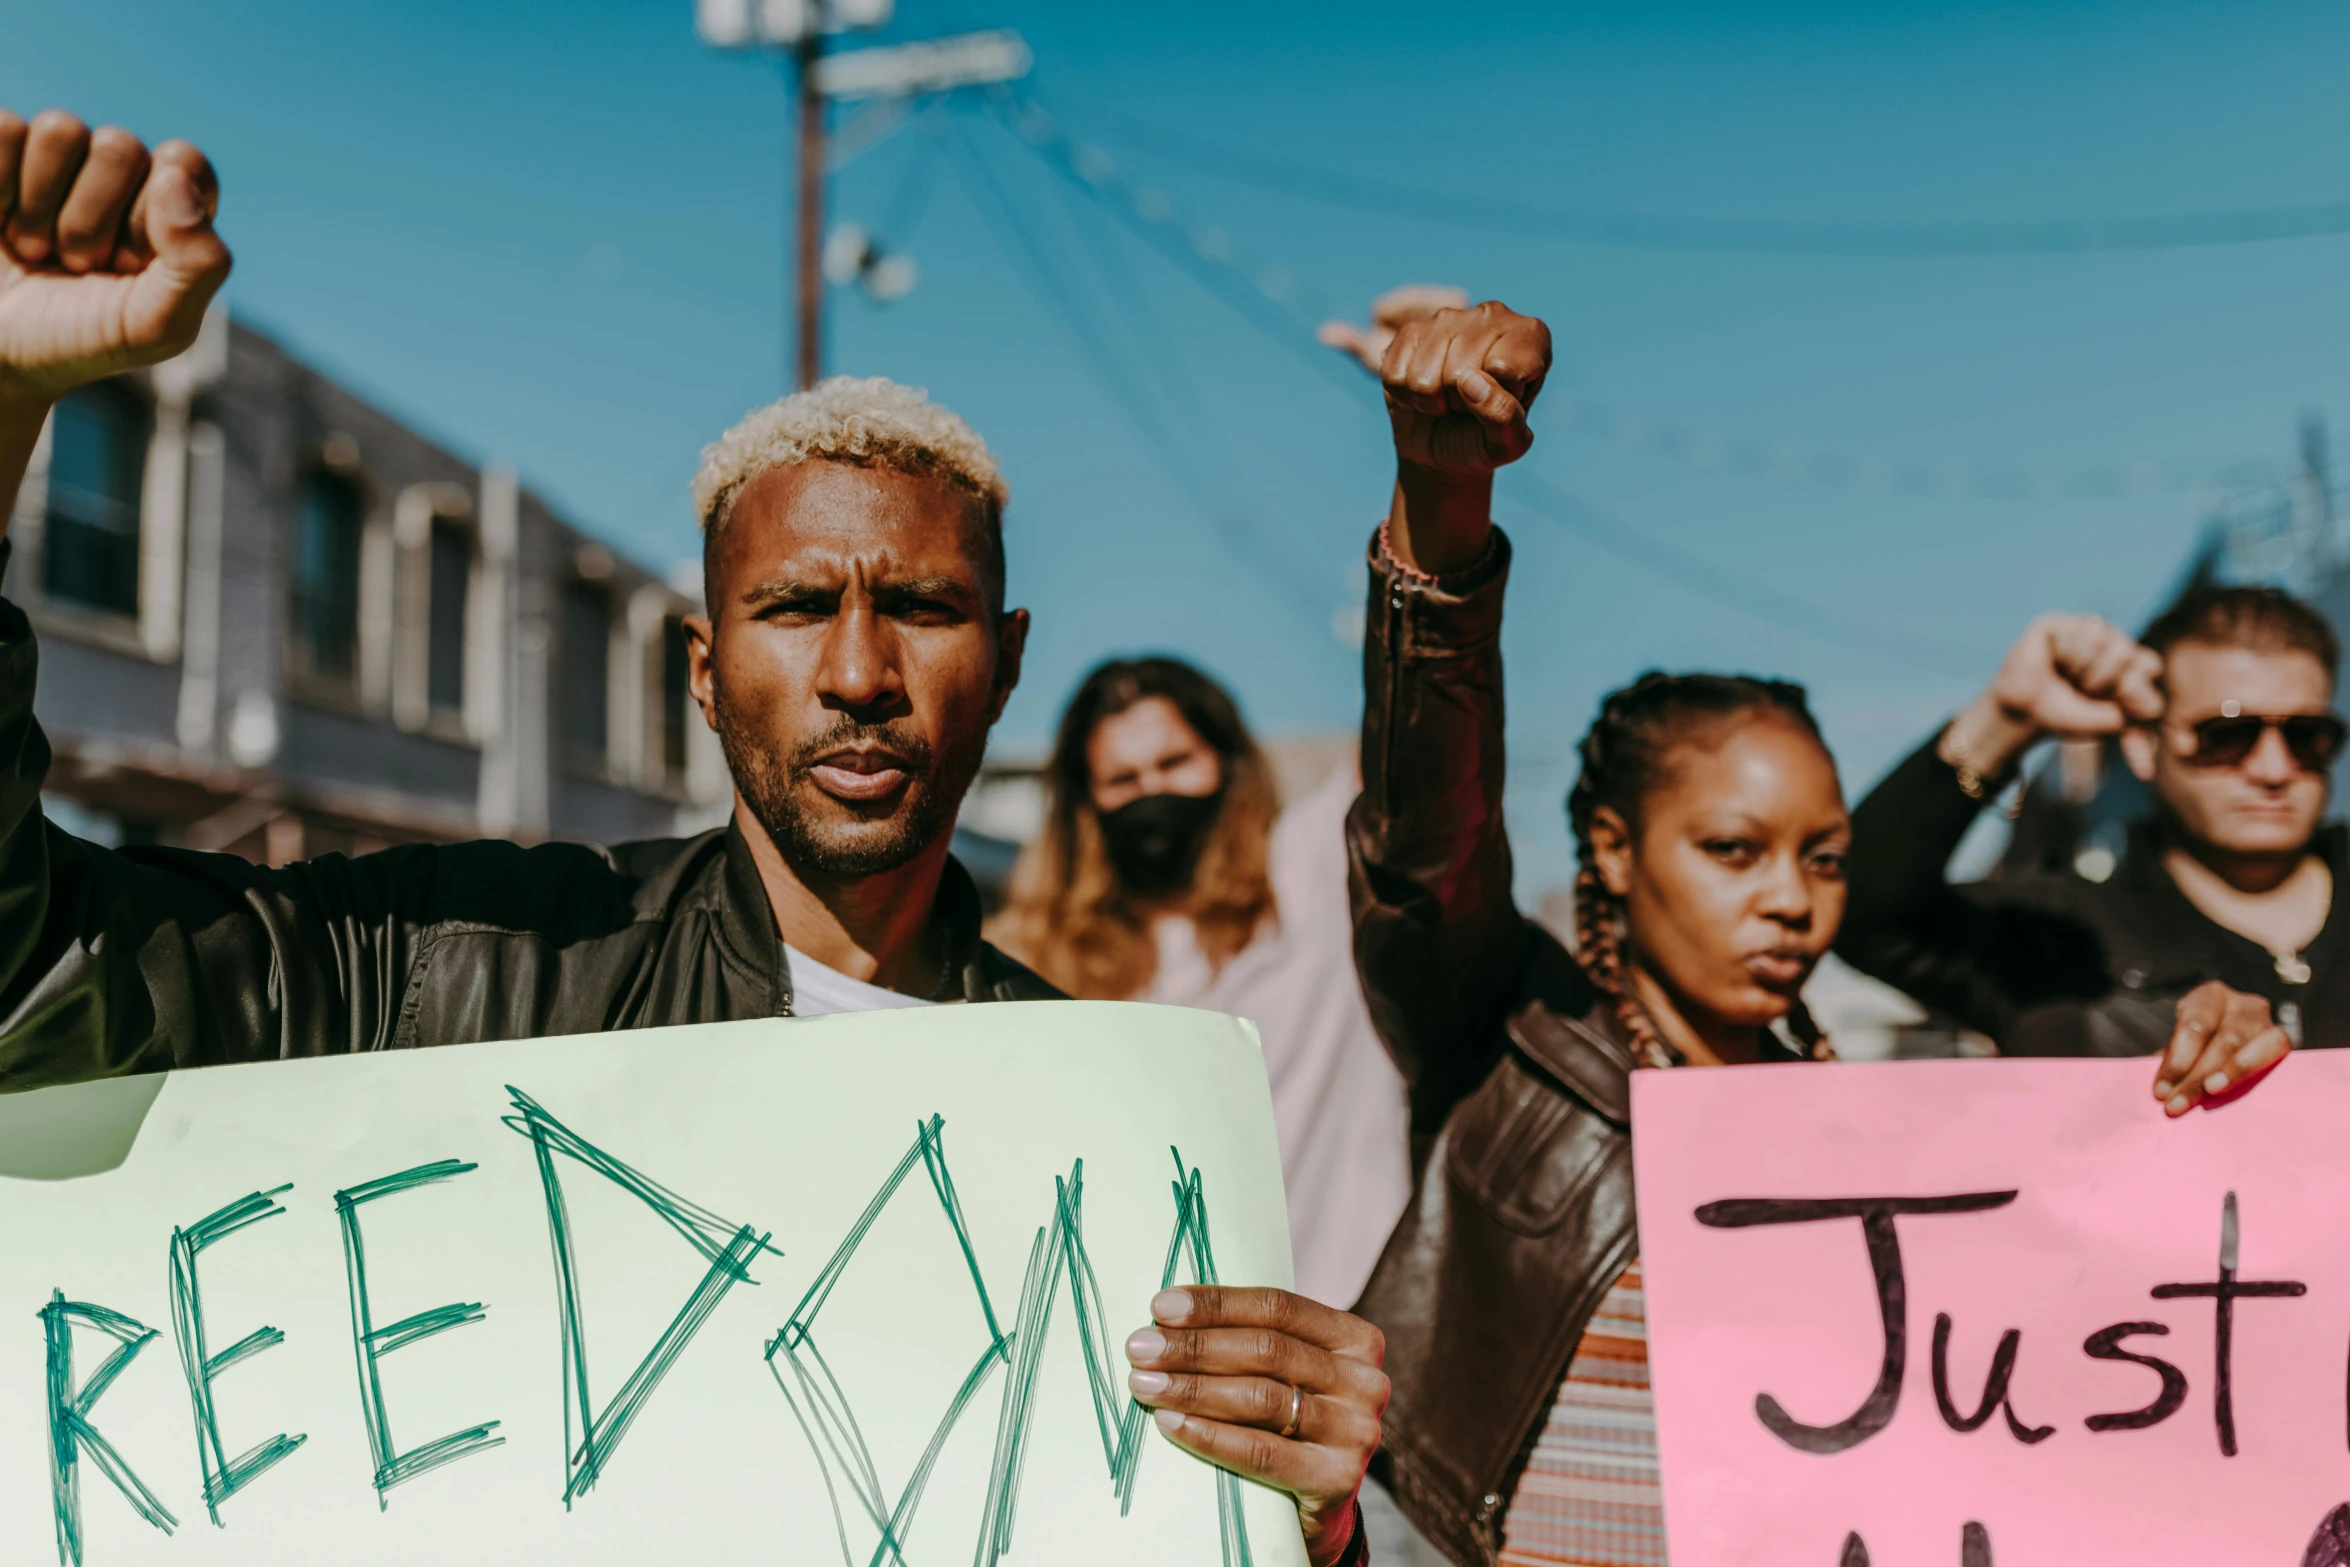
(778, 590)
(936, 587)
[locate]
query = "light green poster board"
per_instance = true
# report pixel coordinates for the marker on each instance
(843, 1290)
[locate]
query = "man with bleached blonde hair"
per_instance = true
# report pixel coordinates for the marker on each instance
(856, 652)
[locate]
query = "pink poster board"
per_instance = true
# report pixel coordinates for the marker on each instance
(2047, 1200)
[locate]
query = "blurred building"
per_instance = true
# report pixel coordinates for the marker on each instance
(277, 621)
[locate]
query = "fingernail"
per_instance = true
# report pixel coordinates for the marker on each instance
(1145, 1346)
(1147, 1384)
(1474, 384)
(175, 200)
(2165, 1088)
(2178, 1104)
(2215, 1083)
(1171, 1305)
(1170, 1420)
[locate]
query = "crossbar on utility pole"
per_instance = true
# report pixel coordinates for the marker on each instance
(808, 269)
(930, 65)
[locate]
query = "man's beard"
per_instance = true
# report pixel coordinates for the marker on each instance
(788, 804)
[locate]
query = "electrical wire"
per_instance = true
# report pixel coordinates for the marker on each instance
(1269, 296)
(1154, 346)
(1729, 589)
(1068, 305)
(1956, 237)
(911, 201)
(1256, 289)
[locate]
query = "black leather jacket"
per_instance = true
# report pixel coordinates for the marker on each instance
(2049, 963)
(140, 960)
(1519, 1076)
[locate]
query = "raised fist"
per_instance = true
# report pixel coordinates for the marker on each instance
(1390, 313)
(1459, 378)
(107, 254)
(2078, 676)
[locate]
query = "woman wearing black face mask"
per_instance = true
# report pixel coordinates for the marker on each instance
(1163, 875)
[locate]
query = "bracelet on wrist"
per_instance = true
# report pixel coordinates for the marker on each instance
(1970, 782)
(1419, 578)
(1388, 558)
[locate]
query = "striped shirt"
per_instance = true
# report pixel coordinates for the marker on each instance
(1589, 1495)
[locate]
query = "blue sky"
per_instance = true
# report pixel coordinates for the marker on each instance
(554, 235)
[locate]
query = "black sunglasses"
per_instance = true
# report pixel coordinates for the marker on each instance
(2315, 739)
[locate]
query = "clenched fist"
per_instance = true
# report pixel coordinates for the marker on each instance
(107, 262)
(1458, 385)
(1459, 379)
(2073, 676)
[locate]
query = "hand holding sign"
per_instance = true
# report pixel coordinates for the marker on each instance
(2224, 1041)
(1273, 1386)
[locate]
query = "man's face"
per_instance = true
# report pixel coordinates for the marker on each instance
(2266, 804)
(853, 661)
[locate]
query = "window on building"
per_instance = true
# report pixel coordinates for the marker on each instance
(327, 531)
(90, 536)
(587, 652)
(451, 577)
(676, 701)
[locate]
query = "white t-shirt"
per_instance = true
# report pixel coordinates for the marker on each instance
(817, 991)
(1338, 1101)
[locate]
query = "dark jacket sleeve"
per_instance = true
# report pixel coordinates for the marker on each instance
(148, 959)
(1966, 951)
(1438, 939)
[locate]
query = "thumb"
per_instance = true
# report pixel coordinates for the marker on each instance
(1352, 341)
(1501, 416)
(169, 296)
(2140, 690)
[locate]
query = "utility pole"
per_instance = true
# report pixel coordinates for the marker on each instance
(887, 78)
(808, 250)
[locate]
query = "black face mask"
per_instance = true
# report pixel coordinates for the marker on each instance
(1155, 842)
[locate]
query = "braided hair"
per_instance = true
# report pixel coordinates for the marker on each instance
(1625, 756)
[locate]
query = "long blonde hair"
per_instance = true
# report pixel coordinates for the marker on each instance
(1067, 917)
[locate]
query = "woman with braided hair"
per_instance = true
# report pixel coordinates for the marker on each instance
(1712, 831)
(1726, 759)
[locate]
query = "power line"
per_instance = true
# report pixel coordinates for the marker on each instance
(1069, 306)
(1957, 237)
(1732, 589)
(1130, 304)
(1256, 288)
(1700, 447)
(1721, 586)
(911, 201)
(1272, 299)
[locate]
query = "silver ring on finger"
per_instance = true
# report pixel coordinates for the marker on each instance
(1297, 1411)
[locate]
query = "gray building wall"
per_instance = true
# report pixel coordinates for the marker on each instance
(195, 721)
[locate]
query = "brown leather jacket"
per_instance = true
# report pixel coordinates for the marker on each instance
(1520, 1080)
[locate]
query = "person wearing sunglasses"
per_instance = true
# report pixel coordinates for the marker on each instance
(2224, 710)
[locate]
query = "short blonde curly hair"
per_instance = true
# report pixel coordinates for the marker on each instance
(869, 422)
